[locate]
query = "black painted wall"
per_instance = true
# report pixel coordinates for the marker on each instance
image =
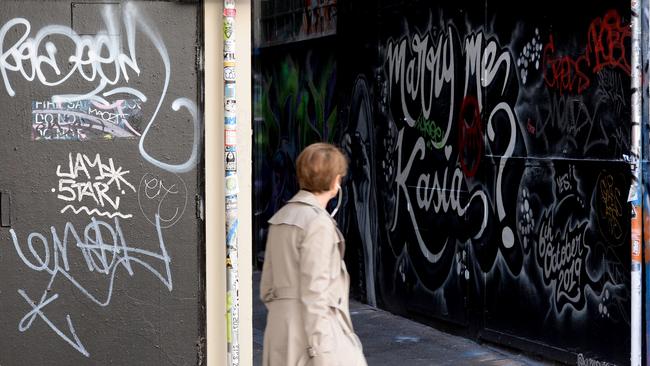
(100, 248)
(488, 181)
(487, 151)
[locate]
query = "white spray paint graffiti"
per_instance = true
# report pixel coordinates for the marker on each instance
(507, 236)
(484, 65)
(434, 179)
(434, 59)
(101, 244)
(27, 51)
(585, 361)
(530, 56)
(162, 196)
(551, 188)
(424, 200)
(562, 257)
(190, 163)
(89, 178)
(104, 249)
(32, 60)
(93, 181)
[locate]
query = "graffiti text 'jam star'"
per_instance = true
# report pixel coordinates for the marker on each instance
(95, 179)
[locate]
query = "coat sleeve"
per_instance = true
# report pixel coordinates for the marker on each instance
(266, 283)
(315, 256)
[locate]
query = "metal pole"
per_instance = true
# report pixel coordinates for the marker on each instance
(645, 38)
(231, 184)
(635, 196)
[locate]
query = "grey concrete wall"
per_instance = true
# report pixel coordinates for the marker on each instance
(99, 154)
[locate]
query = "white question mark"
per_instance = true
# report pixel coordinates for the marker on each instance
(507, 236)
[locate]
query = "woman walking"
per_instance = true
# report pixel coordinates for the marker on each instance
(305, 284)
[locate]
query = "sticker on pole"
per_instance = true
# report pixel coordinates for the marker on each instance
(229, 46)
(229, 90)
(229, 72)
(230, 122)
(232, 186)
(228, 25)
(636, 250)
(231, 106)
(230, 138)
(231, 161)
(231, 203)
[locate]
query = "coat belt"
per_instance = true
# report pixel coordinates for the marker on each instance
(281, 293)
(292, 293)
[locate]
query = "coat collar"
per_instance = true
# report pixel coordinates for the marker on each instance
(307, 198)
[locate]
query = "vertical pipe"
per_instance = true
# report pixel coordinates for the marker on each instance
(231, 184)
(645, 47)
(635, 196)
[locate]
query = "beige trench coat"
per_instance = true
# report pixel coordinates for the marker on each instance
(305, 287)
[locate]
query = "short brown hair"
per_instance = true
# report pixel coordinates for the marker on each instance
(318, 165)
